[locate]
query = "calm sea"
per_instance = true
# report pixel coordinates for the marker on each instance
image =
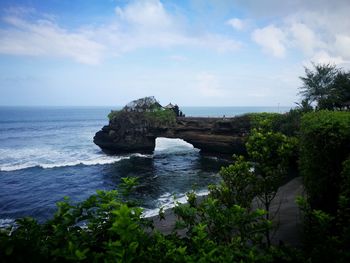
(47, 153)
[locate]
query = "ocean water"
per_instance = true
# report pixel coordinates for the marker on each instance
(47, 153)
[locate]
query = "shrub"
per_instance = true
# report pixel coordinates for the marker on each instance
(325, 144)
(113, 114)
(326, 236)
(161, 116)
(264, 120)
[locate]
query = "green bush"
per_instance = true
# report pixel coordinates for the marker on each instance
(161, 116)
(327, 236)
(264, 119)
(155, 116)
(324, 145)
(113, 114)
(325, 167)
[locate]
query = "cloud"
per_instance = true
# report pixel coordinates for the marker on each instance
(271, 39)
(208, 85)
(148, 24)
(342, 46)
(276, 8)
(44, 38)
(137, 25)
(304, 37)
(324, 57)
(179, 58)
(319, 29)
(149, 14)
(236, 23)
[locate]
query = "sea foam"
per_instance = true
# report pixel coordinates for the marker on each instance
(46, 164)
(168, 200)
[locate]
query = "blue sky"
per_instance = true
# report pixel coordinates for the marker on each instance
(193, 53)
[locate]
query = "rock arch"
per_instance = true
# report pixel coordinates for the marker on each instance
(132, 132)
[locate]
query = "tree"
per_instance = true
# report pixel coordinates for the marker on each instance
(304, 106)
(326, 85)
(270, 153)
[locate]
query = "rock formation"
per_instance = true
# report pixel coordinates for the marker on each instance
(136, 131)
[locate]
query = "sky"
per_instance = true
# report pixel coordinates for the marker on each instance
(193, 53)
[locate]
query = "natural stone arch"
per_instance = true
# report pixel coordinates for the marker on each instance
(133, 132)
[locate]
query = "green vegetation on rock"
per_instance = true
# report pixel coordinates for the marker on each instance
(113, 114)
(161, 116)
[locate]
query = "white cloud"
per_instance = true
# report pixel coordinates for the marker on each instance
(304, 37)
(342, 46)
(137, 25)
(236, 23)
(319, 29)
(208, 85)
(272, 39)
(44, 38)
(324, 57)
(148, 14)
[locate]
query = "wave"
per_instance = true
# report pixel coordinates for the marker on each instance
(79, 153)
(6, 222)
(167, 201)
(166, 146)
(100, 161)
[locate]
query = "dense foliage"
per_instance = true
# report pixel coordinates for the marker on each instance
(325, 145)
(287, 123)
(156, 116)
(325, 166)
(161, 116)
(113, 114)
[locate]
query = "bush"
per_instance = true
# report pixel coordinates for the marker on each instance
(326, 236)
(161, 116)
(325, 144)
(264, 119)
(113, 114)
(287, 123)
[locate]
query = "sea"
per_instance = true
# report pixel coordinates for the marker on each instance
(47, 153)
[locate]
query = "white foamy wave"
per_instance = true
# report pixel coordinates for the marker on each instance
(167, 201)
(48, 159)
(100, 161)
(166, 146)
(6, 222)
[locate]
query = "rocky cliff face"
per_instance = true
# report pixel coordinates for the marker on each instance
(130, 132)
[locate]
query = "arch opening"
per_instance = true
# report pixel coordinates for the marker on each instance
(173, 145)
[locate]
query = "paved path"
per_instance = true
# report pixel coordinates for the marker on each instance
(287, 215)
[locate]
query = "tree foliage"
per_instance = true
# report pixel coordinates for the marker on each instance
(325, 167)
(324, 145)
(326, 85)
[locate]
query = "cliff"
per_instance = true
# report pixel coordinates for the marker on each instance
(134, 130)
